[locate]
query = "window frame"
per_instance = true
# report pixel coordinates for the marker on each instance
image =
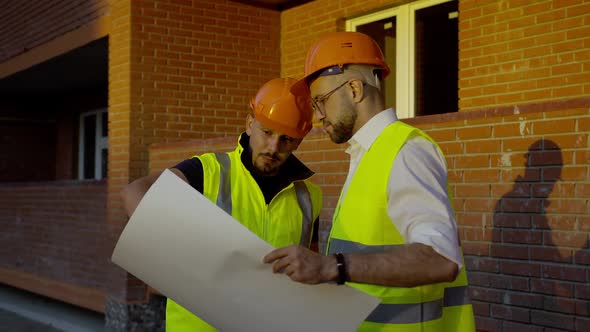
(405, 16)
(100, 143)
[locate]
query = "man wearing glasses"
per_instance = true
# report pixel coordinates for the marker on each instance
(393, 233)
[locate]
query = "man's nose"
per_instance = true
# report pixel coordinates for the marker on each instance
(274, 143)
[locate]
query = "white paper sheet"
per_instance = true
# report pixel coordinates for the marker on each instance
(187, 248)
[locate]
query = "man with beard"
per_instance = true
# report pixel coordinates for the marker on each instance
(393, 233)
(261, 183)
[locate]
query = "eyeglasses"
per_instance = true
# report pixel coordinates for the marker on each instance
(321, 100)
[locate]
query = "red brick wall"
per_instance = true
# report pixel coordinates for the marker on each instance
(514, 52)
(28, 24)
(53, 239)
(179, 70)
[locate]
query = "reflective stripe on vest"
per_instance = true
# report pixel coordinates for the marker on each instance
(407, 313)
(224, 193)
(418, 312)
(224, 200)
(343, 246)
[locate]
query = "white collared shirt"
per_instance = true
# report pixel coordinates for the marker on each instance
(421, 210)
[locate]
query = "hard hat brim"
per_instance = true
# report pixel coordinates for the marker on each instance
(300, 87)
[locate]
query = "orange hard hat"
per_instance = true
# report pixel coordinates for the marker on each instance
(277, 108)
(341, 48)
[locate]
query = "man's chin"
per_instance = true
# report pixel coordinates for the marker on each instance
(336, 139)
(267, 170)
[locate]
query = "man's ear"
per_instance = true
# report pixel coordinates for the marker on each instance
(249, 124)
(358, 90)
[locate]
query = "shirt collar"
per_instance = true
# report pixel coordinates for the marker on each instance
(369, 132)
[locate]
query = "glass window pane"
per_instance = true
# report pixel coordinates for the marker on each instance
(436, 60)
(105, 124)
(89, 145)
(104, 165)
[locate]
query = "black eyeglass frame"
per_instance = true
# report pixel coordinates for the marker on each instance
(321, 99)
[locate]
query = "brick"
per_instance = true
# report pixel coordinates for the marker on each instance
(523, 299)
(477, 249)
(479, 279)
(582, 292)
(557, 222)
(564, 272)
(552, 287)
(481, 308)
(482, 264)
(471, 234)
(581, 190)
(481, 175)
(511, 190)
(511, 129)
(485, 294)
(555, 126)
(477, 161)
(520, 268)
(510, 313)
(557, 304)
(473, 219)
(520, 175)
(582, 308)
(582, 257)
(472, 190)
(482, 146)
(571, 173)
(551, 254)
(521, 327)
(509, 251)
(545, 158)
(474, 133)
(515, 283)
(481, 205)
(513, 220)
(487, 324)
(522, 144)
(567, 206)
(582, 323)
(521, 205)
(566, 239)
(548, 319)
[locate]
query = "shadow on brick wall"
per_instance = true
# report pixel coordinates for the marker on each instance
(538, 276)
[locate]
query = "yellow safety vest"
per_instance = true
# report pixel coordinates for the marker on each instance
(361, 225)
(286, 220)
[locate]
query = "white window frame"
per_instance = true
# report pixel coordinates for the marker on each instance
(99, 144)
(405, 56)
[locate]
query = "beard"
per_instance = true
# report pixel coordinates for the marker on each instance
(342, 128)
(266, 167)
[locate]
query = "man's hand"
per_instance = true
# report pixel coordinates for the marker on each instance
(302, 265)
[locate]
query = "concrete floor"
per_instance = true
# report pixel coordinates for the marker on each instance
(21, 311)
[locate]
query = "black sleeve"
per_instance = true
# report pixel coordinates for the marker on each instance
(193, 171)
